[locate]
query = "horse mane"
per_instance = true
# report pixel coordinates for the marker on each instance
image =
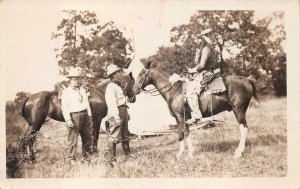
(166, 71)
(102, 84)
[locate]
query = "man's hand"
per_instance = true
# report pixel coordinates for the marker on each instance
(90, 121)
(69, 123)
(118, 121)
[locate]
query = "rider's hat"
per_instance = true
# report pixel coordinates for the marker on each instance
(203, 35)
(112, 68)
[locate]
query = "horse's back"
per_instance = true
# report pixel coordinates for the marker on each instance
(39, 98)
(38, 105)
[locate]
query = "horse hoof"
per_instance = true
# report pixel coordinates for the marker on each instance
(238, 155)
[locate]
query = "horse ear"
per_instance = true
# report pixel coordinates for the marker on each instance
(147, 66)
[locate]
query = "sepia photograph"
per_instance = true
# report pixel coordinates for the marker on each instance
(184, 93)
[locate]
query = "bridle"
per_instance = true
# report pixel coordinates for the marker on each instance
(152, 91)
(122, 85)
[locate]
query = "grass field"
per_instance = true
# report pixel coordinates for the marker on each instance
(265, 154)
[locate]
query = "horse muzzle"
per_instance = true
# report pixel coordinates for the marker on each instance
(136, 90)
(132, 99)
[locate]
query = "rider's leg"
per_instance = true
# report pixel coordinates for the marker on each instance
(194, 105)
(192, 99)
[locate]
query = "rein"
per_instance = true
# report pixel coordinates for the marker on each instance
(154, 90)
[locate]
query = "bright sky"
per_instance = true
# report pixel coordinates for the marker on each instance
(28, 60)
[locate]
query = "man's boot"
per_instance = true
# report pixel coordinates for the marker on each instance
(194, 105)
(126, 148)
(112, 153)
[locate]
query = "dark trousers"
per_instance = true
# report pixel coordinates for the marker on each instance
(119, 134)
(81, 126)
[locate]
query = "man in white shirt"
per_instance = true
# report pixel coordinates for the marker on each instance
(117, 113)
(77, 114)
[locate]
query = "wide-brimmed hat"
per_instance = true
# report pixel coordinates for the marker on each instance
(75, 72)
(112, 68)
(203, 33)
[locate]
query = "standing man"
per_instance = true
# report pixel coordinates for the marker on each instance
(77, 113)
(206, 67)
(117, 113)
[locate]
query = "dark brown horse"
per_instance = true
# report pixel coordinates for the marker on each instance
(237, 97)
(45, 104)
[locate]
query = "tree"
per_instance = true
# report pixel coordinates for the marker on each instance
(21, 97)
(246, 47)
(87, 44)
(59, 86)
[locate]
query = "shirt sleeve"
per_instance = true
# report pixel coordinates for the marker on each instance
(65, 105)
(86, 101)
(111, 102)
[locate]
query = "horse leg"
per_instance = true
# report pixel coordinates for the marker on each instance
(240, 114)
(97, 124)
(35, 117)
(180, 124)
(29, 140)
(189, 143)
(190, 147)
(240, 149)
(181, 149)
(187, 135)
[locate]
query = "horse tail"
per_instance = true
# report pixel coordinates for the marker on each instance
(23, 107)
(254, 90)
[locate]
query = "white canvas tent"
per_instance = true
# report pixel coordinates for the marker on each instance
(149, 114)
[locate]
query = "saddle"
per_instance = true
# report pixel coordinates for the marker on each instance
(211, 84)
(215, 86)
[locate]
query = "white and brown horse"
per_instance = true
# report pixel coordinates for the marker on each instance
(237, 97)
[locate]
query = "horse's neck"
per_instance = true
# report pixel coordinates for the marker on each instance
(162, 84)
(98, 91)
(102, 84)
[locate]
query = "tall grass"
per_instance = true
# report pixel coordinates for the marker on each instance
(265, 154)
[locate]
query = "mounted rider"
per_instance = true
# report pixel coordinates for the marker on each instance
(206, 68)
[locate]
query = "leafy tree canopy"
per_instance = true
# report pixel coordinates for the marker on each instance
(246, 46)
(87, 44)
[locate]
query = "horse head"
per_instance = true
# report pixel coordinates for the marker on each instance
(127, 84)
(143, 79)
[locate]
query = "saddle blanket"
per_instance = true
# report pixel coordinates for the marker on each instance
(216, 86)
